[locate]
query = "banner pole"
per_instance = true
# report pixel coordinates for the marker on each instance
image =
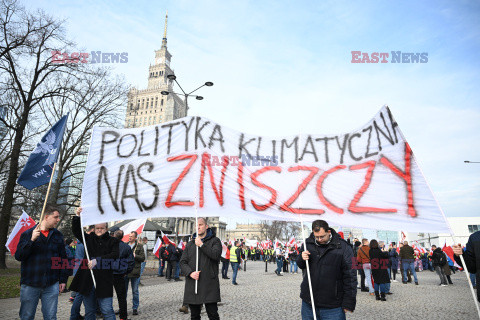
(196, 256)
(308, 273)
(48, 192)
(468, 278)
(86, 251)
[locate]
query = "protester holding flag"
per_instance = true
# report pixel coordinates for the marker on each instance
(122, 267)
(102, 249)
(134, 276)
(471, 255)
(225, 258)
(41, 251)
(330, 260)
(209, 249)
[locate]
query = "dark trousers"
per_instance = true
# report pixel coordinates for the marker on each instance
(362, 279)
(211, 308)
(224, 269)
(121, 291)
(171, 267)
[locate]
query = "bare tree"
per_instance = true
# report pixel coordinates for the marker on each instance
(281, 230)
(95, 98)
(27, 40)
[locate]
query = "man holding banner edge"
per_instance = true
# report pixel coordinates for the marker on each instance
(333, 280)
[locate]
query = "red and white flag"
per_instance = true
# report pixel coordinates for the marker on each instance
(23, 224)
(156, 249)
(340, 232)
(135, 225)
(403, 237)
(165, 239)
(291, 242)
(182, 245)
(277, 244)
(449, 252)
(224, 251)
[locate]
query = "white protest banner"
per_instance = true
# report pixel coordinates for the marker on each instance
(365, 178)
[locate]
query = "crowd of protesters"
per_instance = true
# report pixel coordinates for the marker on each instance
(116, 265)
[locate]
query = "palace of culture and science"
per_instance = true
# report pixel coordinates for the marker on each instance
(149, 107)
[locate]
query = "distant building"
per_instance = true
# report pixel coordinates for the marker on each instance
(247, 231)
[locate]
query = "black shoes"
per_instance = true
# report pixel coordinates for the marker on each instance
(178, 279)
(135, 312)
(235, 284)
(377, 295)
(383, 297)
(416, 283)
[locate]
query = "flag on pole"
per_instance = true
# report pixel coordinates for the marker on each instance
(449, 252)
(403, 237)
(135, 225)
(156, 248)
(291, 241)
(23, 223)
(165, 239)
(39, 166)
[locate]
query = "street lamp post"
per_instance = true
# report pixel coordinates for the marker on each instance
(172, 77)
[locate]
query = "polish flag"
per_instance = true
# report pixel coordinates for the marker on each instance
(156, 249)
(135, 225)
(224, 251)
(23, 224)
(182, 245)
(291, 242)
(165, 239)
(230, 242)
(340, 233)
(277, 243)
(403, 237)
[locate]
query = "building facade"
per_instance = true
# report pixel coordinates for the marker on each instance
(148, 106)
(247, 231)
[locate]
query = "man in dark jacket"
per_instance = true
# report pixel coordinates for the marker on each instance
(438, 261)
(162, 260)
(122, 267)
(408, 261)
(134, 276)
(174, 255)
(333, 279)
(209, 250)
(471, 255)
(42, 253)
(103, 251)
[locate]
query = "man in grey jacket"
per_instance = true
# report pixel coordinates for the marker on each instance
(209, 252)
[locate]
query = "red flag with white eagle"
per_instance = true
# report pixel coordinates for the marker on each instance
(165, 239)
(23, 224)
(156, 249)
(135, 225)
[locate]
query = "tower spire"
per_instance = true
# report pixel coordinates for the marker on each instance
(164, 40)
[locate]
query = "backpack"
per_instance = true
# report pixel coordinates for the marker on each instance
(443, 259)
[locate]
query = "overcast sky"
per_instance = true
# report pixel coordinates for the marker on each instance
(284, 67)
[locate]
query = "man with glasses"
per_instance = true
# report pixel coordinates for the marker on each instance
(333, 280)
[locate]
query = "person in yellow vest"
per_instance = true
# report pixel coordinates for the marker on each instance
(235, 257)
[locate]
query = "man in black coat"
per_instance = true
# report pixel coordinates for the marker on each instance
(209, 252)
(103, 251)
(334, 282)
(174, 255)
(471, 255)
(122, 267)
